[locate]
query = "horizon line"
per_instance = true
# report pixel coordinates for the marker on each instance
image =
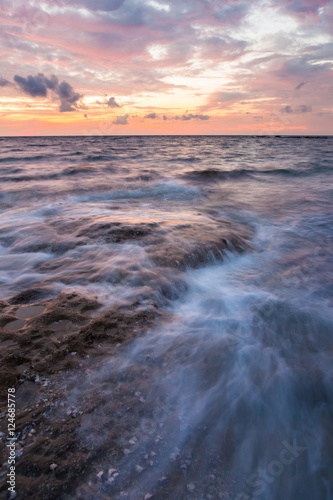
(169, 135)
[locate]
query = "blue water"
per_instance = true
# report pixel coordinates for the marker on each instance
(239, 394)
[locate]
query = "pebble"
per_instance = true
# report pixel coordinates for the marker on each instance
(53, 467)
(100, 474)
(191, 487)
(138, 469)
(13, 495)
(32, 431)
(133, 440)
(111, 472)
(148, 496)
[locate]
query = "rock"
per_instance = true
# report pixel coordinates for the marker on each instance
(138, 469)
(100, 474)
(191, 487)
(12, 495)
(111, 472)
(148, 496)
(53, 467)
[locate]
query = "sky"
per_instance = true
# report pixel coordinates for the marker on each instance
(114, 67)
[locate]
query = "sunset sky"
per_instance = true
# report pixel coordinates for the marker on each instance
(111, 67)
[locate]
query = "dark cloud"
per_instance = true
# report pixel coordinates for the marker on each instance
(300, 85)
(151, 115)
(191, 116)
(303, 108)
(287, 109)
(4, 82)
(121, 120)
(112, 103)
(38, 86)
(68, 97)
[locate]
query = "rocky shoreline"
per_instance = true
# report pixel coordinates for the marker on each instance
(50, 346)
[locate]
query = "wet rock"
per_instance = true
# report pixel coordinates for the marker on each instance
(26, 396)
(29, 295)
(191, 487)
(111, 472)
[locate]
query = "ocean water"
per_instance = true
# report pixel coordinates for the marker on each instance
(232, 238)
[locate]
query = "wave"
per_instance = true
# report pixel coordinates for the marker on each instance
(10, 159)
(168, 190)
(186, 159)
(211, 175)
(70, 171)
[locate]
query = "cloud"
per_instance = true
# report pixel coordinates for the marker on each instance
(68, 97)
(303, 108)
(103, 5)
(151, 115)
(287, 109)
(191, 116)
(221, 99)
(301, 8)
(112, 103)
(38, 86)
(4, 82)
(300, 85)
(121, 120)
(145, 50)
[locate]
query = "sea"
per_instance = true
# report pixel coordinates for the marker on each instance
(231, 239)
